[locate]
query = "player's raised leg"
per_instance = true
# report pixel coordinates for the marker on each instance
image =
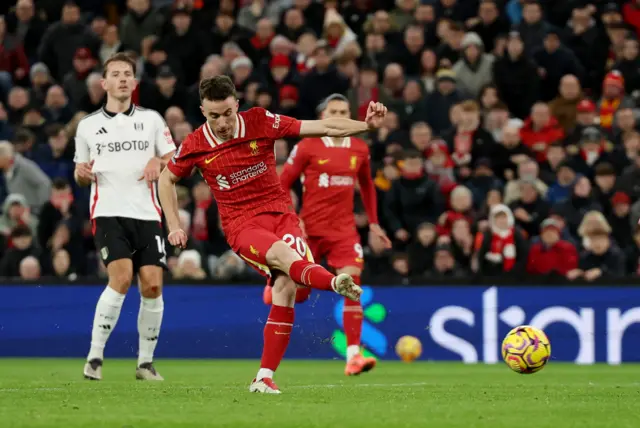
(277, 333)
(149, 320)
(352, 317)
(107, 313)
(283, 258)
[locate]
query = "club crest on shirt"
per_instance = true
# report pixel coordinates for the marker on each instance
(353, 162)
(104, 252)
(254, 147)
(254, 251)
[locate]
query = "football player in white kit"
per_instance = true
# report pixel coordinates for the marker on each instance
(120, 151)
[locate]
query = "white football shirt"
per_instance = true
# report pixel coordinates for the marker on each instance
(121, 146)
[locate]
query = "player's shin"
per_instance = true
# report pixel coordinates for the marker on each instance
(352, 319)
(311, 274)
(277, 330)
(105, 319)
(149, 322)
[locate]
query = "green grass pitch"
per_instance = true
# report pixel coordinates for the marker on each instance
(51, 393)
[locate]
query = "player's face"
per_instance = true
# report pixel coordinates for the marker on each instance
(119, 81)
(221, 116)
(336, 108)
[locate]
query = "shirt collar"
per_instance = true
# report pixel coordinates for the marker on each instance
(111, 114)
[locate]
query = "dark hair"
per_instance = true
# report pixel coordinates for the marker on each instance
(23, 135)
(118, 57)
(217, 88)
(20, 231)
(605, 168)
(53, 130)
(411, 154)
(60, 183)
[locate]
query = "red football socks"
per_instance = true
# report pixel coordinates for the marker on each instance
(277, 333)
(311, 275)
(352, 319)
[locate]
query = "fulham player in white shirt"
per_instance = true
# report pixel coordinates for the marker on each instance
(120, 152)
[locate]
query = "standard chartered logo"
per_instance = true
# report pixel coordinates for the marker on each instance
(245, 174)
(222, 182)
(373, 340)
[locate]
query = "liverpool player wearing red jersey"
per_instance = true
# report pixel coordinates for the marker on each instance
(331, 167)
(235, 154)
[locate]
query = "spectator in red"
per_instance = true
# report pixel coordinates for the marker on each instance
(540, 129)
(631, 14)
(468, 141)
(586, 115)
(551, 254)
(620, 220)
(503, 248)
(613, 99)
(14, 65)
(461, 203)
(439, 165)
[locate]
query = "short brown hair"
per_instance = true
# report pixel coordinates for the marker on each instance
(217, 88)
(470, 106)
(118, 57)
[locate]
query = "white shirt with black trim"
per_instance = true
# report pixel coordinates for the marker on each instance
(121, 146)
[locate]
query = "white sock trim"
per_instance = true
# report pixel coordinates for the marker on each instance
(264, 373)
(352, 351)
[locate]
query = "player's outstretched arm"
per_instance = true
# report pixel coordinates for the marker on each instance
(341, 127)
(169, 202)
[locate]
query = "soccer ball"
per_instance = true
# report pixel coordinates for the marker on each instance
(526, 349)
(408, 348)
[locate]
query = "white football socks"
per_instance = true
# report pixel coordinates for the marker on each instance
(149, 322)
(352, 351)
(104, 321)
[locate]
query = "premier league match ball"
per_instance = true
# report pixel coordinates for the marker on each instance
(526, 349)
(408, 348)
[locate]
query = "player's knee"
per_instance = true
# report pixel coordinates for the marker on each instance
(120, 280)
(280, 256)
(151, 290)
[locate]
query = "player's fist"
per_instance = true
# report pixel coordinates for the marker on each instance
(84, 174)
(151, 171)
(376, 113)
(178, 238)
(380, 234)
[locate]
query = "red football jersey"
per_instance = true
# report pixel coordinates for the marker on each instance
(241, 172)
(329, 174)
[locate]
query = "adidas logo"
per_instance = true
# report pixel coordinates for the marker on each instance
(101, 131)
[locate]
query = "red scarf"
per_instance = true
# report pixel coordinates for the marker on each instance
(260, 44)
(503, 249)
(301, 64)
(462, 144)
(608, 109)
(451, 217)
(333, 41)
(199, 228)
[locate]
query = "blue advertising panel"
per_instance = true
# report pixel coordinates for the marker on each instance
(584, 324)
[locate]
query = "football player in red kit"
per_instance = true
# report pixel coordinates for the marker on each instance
(235, 154)
(331, 166)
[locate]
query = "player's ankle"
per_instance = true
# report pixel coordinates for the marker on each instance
(264, 373)
(352, 351)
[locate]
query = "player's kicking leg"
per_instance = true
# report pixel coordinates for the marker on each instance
(107, 313)
(352, 317)
(149, 320)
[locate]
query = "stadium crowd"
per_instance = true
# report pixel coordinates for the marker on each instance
(511, 146)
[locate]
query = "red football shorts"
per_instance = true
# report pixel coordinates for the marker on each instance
(338, 251)
(256, 237)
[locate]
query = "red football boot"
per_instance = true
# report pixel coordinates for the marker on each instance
(359, 364)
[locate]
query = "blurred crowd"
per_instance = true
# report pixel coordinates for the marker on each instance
(511, 146)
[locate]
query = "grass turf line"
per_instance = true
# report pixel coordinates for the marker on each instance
(51, 393)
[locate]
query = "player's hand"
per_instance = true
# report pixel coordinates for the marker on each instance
(84, 171)
(574, 274)
(178, 238)
(376, 113)
(593, 274)
(151, 171)
(379, 233)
